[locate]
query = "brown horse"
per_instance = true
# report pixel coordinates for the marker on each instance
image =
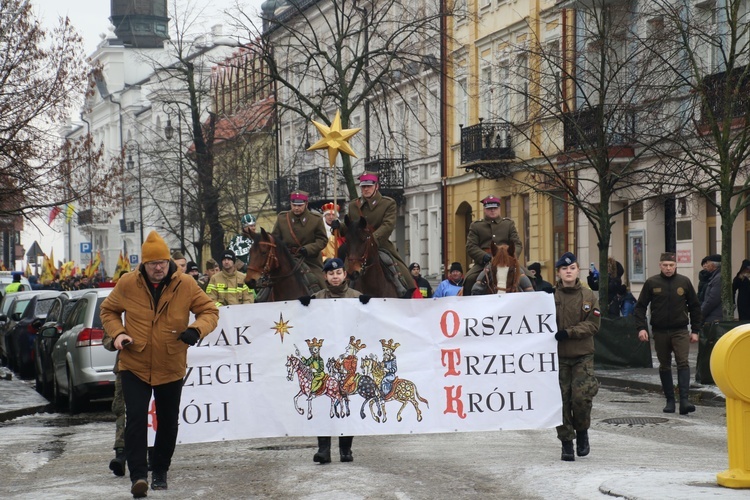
(503, 273)
(363, 265)
(273, 270)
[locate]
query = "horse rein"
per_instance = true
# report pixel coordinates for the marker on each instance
(363, 260)
(271, 263)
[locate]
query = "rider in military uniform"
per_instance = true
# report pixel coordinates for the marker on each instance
(482, 233)
(380, 213)
(241, 243)
(304, 234)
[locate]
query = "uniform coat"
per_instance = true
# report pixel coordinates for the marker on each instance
(157, 356)
(305, 230)
(482, 233)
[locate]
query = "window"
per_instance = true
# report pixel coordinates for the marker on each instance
(485, 93)
(503, 99)
(462, 100)
(559, 225)
(636, 211)
(526, 227)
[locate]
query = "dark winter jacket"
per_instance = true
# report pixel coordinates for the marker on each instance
(674, 304)
(711, 305)
(741, 290)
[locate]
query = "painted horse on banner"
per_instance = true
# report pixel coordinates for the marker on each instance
(370, 270)
(273, 270)
(330, 388)
(364, 386)
(503, 274)
(402, 390)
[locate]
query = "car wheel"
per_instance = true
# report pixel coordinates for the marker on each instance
(76, 403)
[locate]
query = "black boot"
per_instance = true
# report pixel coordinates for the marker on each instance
(159, 480)
(567, 451)
(323, 455)
(582, 443)
(683, 381)
(345, 448)
(667, 385)
(117, 464)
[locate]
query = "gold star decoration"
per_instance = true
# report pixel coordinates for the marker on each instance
(334, 139)
(282, 327)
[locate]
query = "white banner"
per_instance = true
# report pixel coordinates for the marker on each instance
(461, 364)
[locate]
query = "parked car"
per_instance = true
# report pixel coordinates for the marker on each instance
(11, 308)
(47, 337)
(21, 337)
(82, 366)
(6, 278)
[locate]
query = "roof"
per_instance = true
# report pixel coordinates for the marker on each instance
(253, 118)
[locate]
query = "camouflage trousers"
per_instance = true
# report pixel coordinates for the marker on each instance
(578, 386)
(118, 408)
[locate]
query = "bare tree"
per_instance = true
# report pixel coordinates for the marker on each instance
(350, 56)
(583, 107)
(710, 154)
(41, 77)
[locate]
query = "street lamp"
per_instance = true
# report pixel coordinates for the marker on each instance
(169, 134)
(130, 165)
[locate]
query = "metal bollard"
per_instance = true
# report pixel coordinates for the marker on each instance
(731, 372)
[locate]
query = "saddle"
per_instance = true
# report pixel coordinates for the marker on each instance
(309, 280)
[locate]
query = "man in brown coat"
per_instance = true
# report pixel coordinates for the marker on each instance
(304, 234)
(152, 342)
(482, 233)
(380, 213)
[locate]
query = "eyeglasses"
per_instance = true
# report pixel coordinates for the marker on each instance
(157, 263)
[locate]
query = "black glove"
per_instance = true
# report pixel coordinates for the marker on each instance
(335, 224)
(305, 300)
(302, 252)
(364, 298)
(562, 335)
(190, 336)
(486, 259)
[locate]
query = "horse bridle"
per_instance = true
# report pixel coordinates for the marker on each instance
(271, 263)
(363, 260)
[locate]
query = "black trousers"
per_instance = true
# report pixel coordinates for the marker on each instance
(137, 394)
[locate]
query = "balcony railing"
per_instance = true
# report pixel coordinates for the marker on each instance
(391, 174)
(85, 217)
(486, 141)
(582, 127)
(283, 188)
(727, 94)
(313, 183)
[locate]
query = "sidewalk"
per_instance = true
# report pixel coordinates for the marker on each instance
(18, 397)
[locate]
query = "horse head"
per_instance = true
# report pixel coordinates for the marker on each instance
(504, 268)
(262, 259)
(363, 249)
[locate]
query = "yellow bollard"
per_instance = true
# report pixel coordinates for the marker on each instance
(730, 367)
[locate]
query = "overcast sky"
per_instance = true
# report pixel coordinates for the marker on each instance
(91, 17)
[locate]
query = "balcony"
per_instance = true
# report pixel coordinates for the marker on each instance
(285, 188)
(486, 149)
(582, 128)
(85, 217)
(727, 95)
(390, 171)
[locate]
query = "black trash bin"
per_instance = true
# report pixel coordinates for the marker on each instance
(617, 345)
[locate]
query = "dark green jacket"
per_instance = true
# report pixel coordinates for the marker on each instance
(483, 232)
(578, 313)
(673, 301)
(306, 230)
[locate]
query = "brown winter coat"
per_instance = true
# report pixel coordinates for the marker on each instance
(157, 356)
(306, 230)
(578, 313)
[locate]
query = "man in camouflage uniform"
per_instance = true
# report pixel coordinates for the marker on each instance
(482, 233)
(241, 243)
(578, 318)
(380, 213)
(304, 234)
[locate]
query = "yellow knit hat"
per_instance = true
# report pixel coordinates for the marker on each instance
(154, 248)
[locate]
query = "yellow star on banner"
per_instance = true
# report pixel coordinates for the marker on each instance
(282, 327)
(334, 139)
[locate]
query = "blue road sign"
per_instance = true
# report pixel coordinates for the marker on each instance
(134, 259)
(86, 247)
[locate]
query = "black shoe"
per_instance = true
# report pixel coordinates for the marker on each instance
(669, 407)
(159, 480)
(139, 489)
(346, 456)
(117, 464)
(582, 443)
(322, 457)
(686, 407)
(567, 451)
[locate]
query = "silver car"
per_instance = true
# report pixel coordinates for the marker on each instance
(82, 366)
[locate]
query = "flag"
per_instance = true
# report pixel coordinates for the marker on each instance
(67, 269)
(53, 213)
(47, 274)
(51, 263)
(123, 266)
(69, 212)
(91, 269)
(28, 272)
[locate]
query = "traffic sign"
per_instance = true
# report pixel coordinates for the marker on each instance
(134, 259)
(86, 247)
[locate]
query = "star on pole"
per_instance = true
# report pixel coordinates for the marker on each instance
(281, 327)
(334, 139)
